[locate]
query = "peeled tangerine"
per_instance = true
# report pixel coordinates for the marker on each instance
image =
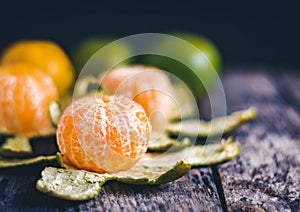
(148, 86)
(45, 55)
(25, 94)
(103, 133)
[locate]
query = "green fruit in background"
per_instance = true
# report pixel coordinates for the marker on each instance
(88, 47)
(199, 70)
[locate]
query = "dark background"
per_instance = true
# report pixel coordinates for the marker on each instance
(265, 33)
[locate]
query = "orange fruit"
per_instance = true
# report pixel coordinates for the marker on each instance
(25, 94)
(148, 86)
(103, 133)
(45, 55)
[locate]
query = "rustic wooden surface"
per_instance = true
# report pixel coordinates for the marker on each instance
(265, 177)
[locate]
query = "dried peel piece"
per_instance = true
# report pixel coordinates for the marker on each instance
(202, 155)
(78, 185)
(217, 126)
(16, 147)
(17, 162)
(5, 134)
(164, 143)
(154, 168)
(54, 111)
(20, 146)
(185, 105)
(211, 154)
(64, 162)
(70, 184)
(17, 151)
(145, 171)
(87, 85)
(3, 131)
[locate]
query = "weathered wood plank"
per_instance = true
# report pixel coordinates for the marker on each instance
(289, 87)
(194, 192)
(266, 176)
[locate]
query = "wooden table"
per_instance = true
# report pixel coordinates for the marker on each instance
(266, 176)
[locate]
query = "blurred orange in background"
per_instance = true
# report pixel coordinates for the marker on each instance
(46, 56)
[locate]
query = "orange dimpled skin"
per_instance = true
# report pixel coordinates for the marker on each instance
(148, 86)
(103, 133)
(25, 94)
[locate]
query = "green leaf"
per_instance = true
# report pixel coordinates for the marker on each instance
(17, 162)
(164, 143)
(217, 126)
(16, 147)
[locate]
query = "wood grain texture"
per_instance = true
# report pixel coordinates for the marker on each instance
(195, 191)
(289, 87)
(266, 176)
